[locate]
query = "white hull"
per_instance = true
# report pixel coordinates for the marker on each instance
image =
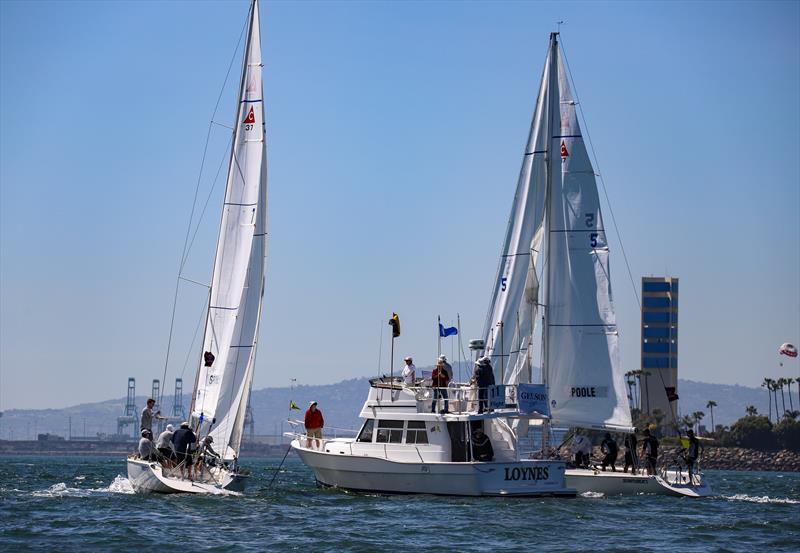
(149, 477)
(377, 475)
(620, 483)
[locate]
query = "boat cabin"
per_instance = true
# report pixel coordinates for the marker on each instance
(402, 424)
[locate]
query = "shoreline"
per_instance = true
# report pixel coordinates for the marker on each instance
(722, 458)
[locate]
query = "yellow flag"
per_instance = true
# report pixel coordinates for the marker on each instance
(293, 405)
(395, 323)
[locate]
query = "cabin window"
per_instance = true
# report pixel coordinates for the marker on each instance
(366, 431)
(416, 433)
(390, 432)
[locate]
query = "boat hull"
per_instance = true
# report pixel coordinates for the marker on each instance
(149, 477)
(378, 475)
(620, 483)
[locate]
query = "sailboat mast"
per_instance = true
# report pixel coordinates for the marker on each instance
(552, 88)
(552, 107)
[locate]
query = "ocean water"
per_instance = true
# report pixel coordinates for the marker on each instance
(86, 504)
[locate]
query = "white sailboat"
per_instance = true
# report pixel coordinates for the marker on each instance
(235, 298)
(556, 213)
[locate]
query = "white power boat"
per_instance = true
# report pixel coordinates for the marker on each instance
(233, 315)
(403, 447)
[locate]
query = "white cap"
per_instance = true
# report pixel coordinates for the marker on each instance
(170, 427)
(442, 358)
(310, 403)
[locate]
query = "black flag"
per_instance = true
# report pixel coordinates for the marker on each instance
(395, 324)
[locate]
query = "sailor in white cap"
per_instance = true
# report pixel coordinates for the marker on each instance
(409, 372)
(164, 446)
(483, 377)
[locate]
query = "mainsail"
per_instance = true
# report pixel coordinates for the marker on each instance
(237, 286)
(557, 198)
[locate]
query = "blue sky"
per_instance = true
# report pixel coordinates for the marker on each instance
(395, 136)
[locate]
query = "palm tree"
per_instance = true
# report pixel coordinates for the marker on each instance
(630, 380)
(780, 384)
(789, 382)
(698, 416)
(768, 385)
(751, 411)
(710, 405)
(792, 415)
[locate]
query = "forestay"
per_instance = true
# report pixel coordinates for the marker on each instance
(583, 371)
(237, 286)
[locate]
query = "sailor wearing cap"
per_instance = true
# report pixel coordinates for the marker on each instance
(447, 367)
(483, 377)
(164, 445)
(409, 372)
(313, 423)
(147, 450)
(183, 441)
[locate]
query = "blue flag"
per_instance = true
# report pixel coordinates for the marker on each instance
(449, 331)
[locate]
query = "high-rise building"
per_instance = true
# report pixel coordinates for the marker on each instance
(659, 380)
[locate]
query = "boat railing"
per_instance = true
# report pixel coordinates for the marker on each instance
(465, 398)
(304, 439)
(674, 469)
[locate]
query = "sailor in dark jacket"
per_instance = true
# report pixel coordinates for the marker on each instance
(483, 377)
(482, 449)
(692, 453)
(610, 449)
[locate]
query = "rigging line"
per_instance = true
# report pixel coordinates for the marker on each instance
(602, 180)
(194, 337)
(208, 199)
(184, 252)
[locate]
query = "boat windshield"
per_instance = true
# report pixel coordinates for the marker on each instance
(366, 431)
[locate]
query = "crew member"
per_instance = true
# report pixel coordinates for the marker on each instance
(313, 423)
(409, 372)
(482, 449)
(164, 446)
(581, 447)
(148, 415)
(147, 450)
(650, 451)
(692, 453)
(631, 458)
(448, 368)
(610, 451)
(183, 441)
(483, 377)
(439, 381)
(205, 453)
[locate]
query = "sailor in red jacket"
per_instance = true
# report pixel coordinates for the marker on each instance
(313, 423)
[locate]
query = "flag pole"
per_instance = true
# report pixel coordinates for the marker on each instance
(458, 322)
(439, 336)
